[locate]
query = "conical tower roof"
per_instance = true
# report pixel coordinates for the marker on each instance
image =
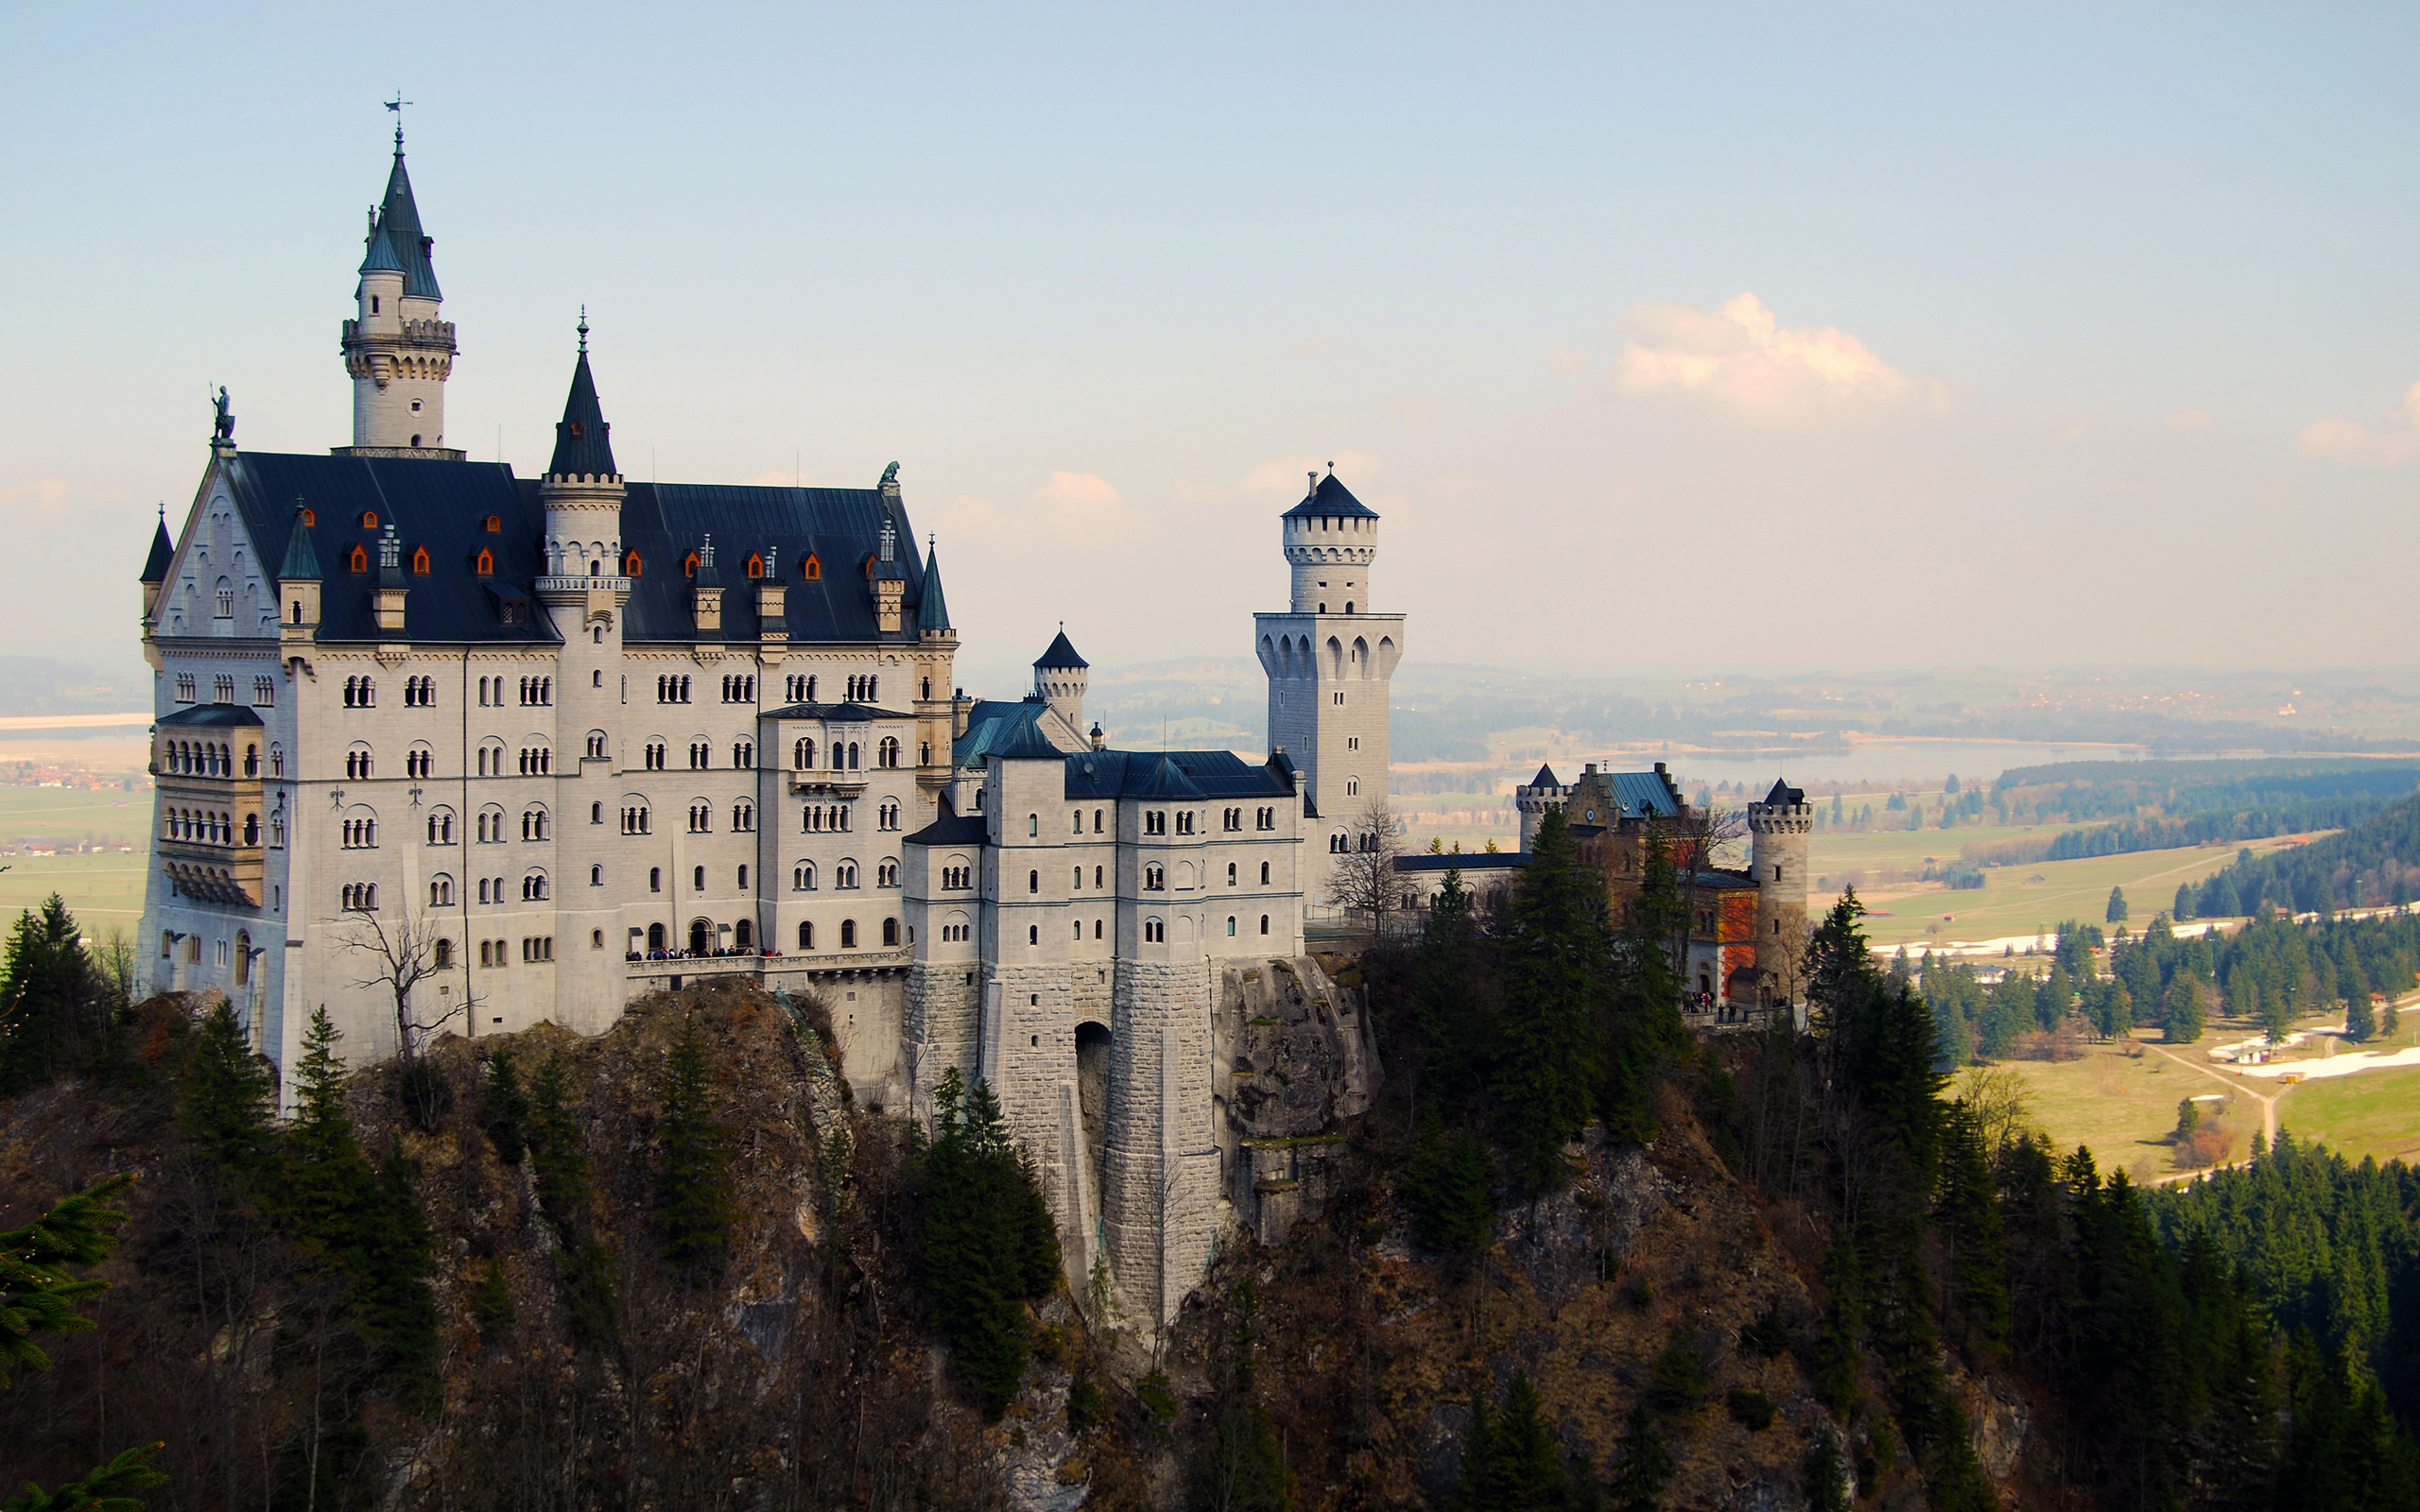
(1061, 655)
(1332, 500)
(582, 442)
(155, 567)
(931, 613)
(301, 558)
(407, 246)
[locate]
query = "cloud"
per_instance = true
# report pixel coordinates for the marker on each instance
(1072, 509)
(1286, 477)
(2190, 420)
(2346, 440)
(43, 497)
(1740, 358)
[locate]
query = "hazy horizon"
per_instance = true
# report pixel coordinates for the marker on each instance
(1664, 343)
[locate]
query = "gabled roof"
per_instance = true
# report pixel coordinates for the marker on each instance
(1103, 775)
(847, 713)
(952, 829)
(1023, 741)
(163, 551)
(934, 612)
(1785, 794)
(583, 442)
(994, 725)
(211, 716)
(1061, 655)
(399, 228)
(1330, 498)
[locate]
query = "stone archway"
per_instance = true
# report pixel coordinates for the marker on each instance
(701, 935)
(1093, 1042)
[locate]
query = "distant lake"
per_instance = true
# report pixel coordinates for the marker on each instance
(1889, 761)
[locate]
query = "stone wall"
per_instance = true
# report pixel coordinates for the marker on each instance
(1295, 1056)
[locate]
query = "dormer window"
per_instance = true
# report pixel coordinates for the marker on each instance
(357, 560)
(689, 565)
(495, 525)
(420, 561)
(484, 566)
(310, 517)
(369, 519)
(576, 430)
(755, 566)
(814, 567)
(870, 560)
(630, 565)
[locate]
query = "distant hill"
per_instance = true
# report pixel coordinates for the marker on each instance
(37, 685)
(2373, 862)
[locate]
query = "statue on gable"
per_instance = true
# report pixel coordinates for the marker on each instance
(223, 425)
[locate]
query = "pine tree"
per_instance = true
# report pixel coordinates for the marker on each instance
(2117, 911)
(694, 1196)
(224, 1103)
(555, 1145)
(397, 1259)
(986, 1242)
(504, 1108)
(1475, 1484)
(1452, 1039)
(1644, 1468)
(492, 1309)
(1555, 952)
(326, 1185)
(1451, 1190)
(1966, 1218)
(2183, 909)
(1529, 1475)
(46, 998)
(2180, 1010)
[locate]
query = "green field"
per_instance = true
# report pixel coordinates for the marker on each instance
(2123, 1108)
(2010, 902)
(102, 890)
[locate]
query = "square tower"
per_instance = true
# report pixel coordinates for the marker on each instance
(1330, 660)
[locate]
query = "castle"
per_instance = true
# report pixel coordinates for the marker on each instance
(529, 749)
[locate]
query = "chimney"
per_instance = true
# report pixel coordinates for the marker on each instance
(961, 708)
(392, 587)
(1099, 740)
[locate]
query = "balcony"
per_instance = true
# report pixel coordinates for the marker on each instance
(838, 784)
(580, 584)
(230, 874)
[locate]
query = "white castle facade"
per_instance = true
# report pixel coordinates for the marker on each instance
(574, 740)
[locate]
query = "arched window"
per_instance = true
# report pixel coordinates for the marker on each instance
(1264, 881)
(1264, 923)
(1095, 929)
(440, 892)
(1033, 824)
(890, 931)
(597, 876)
(689, 565)
(812, 568)
(485, 565)
(1231, 879)
(1033, 933)
(1231, 924)
(446, 955)
(631, 564)
(755, 566)
(743, 936)
(420, 561)
(848, 933)
(1034, 881)
(495, 525)
(698, 879)
(369, 519)
(806, 936)
(357, 560)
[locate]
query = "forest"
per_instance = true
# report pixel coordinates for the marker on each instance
(1576, 1258)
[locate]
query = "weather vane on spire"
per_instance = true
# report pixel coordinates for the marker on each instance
(397, 104)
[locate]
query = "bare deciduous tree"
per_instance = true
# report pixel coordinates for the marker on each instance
(1364, 881)
(401, 958)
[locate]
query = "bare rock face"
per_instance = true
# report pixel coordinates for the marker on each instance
(1996, 1420)
(1296, 1057)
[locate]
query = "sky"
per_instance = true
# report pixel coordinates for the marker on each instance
(1667, 340)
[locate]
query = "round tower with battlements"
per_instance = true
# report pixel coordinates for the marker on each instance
(1534, 798)
(396, 350)
(1778, 830)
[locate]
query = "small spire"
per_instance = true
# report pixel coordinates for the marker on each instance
(583, 329)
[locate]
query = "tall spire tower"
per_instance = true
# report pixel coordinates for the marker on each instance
(396, 350)
(1329, 660)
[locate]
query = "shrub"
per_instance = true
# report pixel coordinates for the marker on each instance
(1753, 1410)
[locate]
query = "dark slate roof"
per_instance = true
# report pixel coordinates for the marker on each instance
(380, 255)
(583, 444)
(399, 227)
(934, 614)
(1022, 740)
(440, 504)
(844, 712)
(1546, 778)
(163, 551)
(952, 829)
(1467, 861)
(1725, 881)
(1330, 498)
(212, 717)
(1785, 794)
(1061, 655)
(1174, 774)
(990, 725)
(841, 527)
(302, 558)
(1646, 793)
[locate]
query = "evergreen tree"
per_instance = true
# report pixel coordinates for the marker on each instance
(556, 1146)
(694, 1198)
(504, 1108)
(397, 1259)
(1476, 1482)
(326, 1185)
(2360, 1021)
(1450, 1189)
(2180, 1010)
(591, 1304)
(1555, 958)
(2183, 909)
(1528, 1472)
(1455, 1031)
(46, 999)
(1966, 1218)
(492, 1309)
(1643, 1468)
(224, 1103)
(2117, 911)
(981, 1250)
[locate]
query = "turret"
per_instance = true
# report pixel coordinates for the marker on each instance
(581, 491)
(1778, 828)
(1534, 798)
(396, 350)
(297, 582)
(1059, 679)
(155, 567)
(1331, 544)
